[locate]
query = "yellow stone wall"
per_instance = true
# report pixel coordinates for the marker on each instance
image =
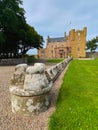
(78, 42)
(74, 44)
(42, 53)
(52, 49)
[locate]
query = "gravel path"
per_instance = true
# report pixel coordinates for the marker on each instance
(10, 121)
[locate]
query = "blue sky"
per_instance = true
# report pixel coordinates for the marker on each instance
(54, 17)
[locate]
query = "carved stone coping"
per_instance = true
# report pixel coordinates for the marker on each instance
(29, 102)
(53, 72)
(23, 93)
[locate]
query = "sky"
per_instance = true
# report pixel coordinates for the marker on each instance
(54, 17)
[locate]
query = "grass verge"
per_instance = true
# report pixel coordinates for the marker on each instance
(77, 103)
(55, 60)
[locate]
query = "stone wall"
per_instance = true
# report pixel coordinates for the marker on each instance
(91, 55)
(14, 61)
(30, 87)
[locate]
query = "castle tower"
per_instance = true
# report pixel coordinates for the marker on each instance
(78, 42)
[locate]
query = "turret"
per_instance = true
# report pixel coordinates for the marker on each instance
(85, 31)
(64, 34)
(72, 34)
(47, 40)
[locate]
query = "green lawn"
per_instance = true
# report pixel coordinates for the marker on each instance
(77, 103)
(55, 60)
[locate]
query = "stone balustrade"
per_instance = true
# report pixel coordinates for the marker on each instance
(53, 72)
(30, 87)
(13, 61)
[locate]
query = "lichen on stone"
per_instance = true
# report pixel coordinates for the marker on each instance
(15, 105)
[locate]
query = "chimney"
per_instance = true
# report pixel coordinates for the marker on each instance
(64, 34)
(47, 40)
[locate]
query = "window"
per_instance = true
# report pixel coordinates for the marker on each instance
(78, 49)
(42, 52)
(61, 51)
(78, 33)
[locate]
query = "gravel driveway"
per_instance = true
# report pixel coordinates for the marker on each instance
(10, 121)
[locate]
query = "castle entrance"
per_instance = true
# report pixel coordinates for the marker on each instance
(62, 52)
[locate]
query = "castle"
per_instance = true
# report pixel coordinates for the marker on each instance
(61, 47)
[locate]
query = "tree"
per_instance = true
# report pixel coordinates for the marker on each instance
(28, 38)
(91, 45)
(16, 36)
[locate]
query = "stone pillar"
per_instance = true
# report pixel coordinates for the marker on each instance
(30, 89)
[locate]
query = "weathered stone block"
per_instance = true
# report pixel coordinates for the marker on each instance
(30, 105)
(35, 78)
(30, 89)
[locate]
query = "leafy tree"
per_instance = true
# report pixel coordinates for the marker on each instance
(28, 39)
(91, 45)
(16, 36)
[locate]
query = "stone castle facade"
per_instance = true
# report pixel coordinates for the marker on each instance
(61, 47)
